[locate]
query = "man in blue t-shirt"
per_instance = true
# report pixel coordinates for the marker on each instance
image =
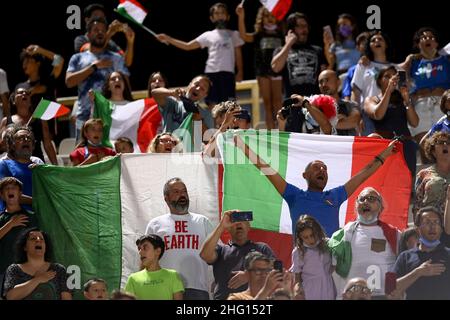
(322, 205)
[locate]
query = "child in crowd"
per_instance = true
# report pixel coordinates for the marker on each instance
(224, 52)
(96, 289)
(124, 145)
(154, 282)
(90, 149)
(13, 221)
(409, 239)
(311, 260)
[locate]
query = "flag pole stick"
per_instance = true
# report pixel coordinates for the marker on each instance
(141, 25)
(29, 121)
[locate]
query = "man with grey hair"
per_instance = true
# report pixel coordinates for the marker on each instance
(183, 233)
(365, 248)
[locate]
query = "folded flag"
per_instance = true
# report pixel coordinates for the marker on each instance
(47, 110)
(137, 120)
(278, 8)
(132, 10)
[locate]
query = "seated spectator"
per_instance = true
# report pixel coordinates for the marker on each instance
(123, 145)
(34, 276)
(368, 241)
(409, 239)
(154, 282)
(311, 260)
(90, 149)
(431, 182)
(12, 221)
(120, 295)
(20, 141)
(165, 142)
(357, 289)
(242, 120)
(423, 272)
(228, 260)
(95, 289)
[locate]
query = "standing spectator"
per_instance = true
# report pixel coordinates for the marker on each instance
(183, 233)
(4, 94)
(378, 51)
(430, 76)
(34, 276)
(368, 241)
(21, 115)
(322, 205)
(228, 259)
(301, 64)
(88, 69)
(267, 37)
(90, 149)
(357, 289)
(311, 260)
(175, 104)
(348, 112)
(424, 272)
(342, 53)
(156, 80)
(82, 42)
(408, 240)
(154, 282)
(17, 163)
(224, 52)
(12, 221)
(391, 111)
(95, 289)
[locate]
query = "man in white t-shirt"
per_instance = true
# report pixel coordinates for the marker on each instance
(366, 248)
(183, 233)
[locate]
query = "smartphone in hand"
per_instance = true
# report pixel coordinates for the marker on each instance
(402, 79)
(327, 29)
(239, 216)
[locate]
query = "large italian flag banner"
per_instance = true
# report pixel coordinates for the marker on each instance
(94, 214)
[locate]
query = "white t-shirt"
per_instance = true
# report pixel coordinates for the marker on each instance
(365, 79)
(3, 82)
(372, 257)
(220, 44)
(183, 236)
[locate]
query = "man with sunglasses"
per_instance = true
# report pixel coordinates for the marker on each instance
(367, 247)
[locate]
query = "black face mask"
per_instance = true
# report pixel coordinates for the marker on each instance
(220, 24)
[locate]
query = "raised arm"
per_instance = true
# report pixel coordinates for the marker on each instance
(370, 169)
(187, 46)
(279, 60)
(160, 95)
(274, 177)
(319, 116)
(58, 61)
(247, 37)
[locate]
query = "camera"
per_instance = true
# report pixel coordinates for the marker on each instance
(239, 216)
(189, 105)
(287, 105)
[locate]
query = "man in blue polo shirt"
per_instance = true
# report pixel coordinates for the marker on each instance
(322, 205)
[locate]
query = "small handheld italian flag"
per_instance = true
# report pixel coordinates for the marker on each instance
(132, 10)
(47, 110)
(278, 8)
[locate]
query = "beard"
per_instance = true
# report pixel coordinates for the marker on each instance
(97, 43)
(23, 154)
(180, 206)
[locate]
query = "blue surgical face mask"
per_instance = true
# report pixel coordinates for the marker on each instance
(429, 244)
(365, 220)
(345, 30)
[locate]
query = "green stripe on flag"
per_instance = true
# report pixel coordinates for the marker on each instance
(80, 209)
(185, 133)
(41, 108)
(103, 109)
(124, 13)
(272, 147)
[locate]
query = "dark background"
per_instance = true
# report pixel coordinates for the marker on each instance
(44, 23)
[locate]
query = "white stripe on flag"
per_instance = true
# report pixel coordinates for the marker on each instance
(134, 11)
(51, 111)
(334, 151)
(270, 4)
(125, 121)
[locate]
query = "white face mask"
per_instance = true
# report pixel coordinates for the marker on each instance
(313, 246)
(94, 144)
(365, 220)
(270, 27)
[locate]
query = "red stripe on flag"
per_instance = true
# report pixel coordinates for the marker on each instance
(281, 8)
(63, 110)
(148, 124)
(393, 180)
(137, 4)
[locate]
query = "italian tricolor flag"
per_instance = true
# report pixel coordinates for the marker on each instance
(132, 10)
(95, 213)
(47, 110)
(278, 8)
(137, 120)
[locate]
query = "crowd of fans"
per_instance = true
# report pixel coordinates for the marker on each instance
(348, 87)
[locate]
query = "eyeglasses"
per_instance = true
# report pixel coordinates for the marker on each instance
(259, 271)
(431, 223)
(23, 138)
(26, 92)
(358, 288)
(371, 199)
(165, 141)
(442, 142)
(35, 238)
